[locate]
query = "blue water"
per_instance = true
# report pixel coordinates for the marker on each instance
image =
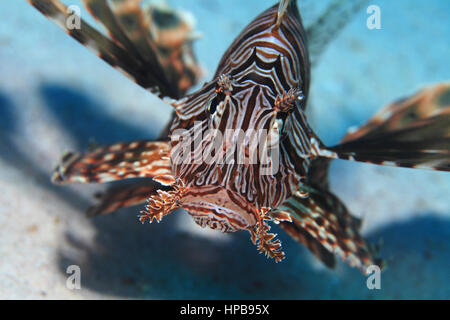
(50, 81)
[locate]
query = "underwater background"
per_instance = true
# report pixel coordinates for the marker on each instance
(55, 95)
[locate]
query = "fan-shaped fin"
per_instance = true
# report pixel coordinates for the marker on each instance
(327, 222)
(413, 132)
(327, 27)
(140, 159)
(123, 195)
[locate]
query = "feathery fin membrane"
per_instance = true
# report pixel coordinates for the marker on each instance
(133, 52)
(122, 195)
(413, 132)
(140, 159)
(327, 27)
(322, 223)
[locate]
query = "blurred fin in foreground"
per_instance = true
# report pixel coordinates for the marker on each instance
(141, 43)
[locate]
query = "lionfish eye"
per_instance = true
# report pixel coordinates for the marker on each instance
(212, 105)
(281, 127)
(214, 102)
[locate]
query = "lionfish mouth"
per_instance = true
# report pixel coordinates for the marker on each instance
(216, 208)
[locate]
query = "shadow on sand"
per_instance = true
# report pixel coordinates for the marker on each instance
(154, 261)
(15, 156)
(85, 118)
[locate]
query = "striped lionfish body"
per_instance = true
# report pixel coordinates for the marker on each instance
(239, 152)
(260, 86)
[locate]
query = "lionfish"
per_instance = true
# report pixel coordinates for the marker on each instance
(261, 83)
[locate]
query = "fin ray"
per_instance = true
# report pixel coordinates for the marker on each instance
(326, 219)
(413, 132)
(140, 159)
(135, 53)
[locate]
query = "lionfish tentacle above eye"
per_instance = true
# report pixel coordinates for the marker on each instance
(413, 132)
(130, 50)
(275, 57)
(140, 159)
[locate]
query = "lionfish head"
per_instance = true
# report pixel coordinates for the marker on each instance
(225, 150)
